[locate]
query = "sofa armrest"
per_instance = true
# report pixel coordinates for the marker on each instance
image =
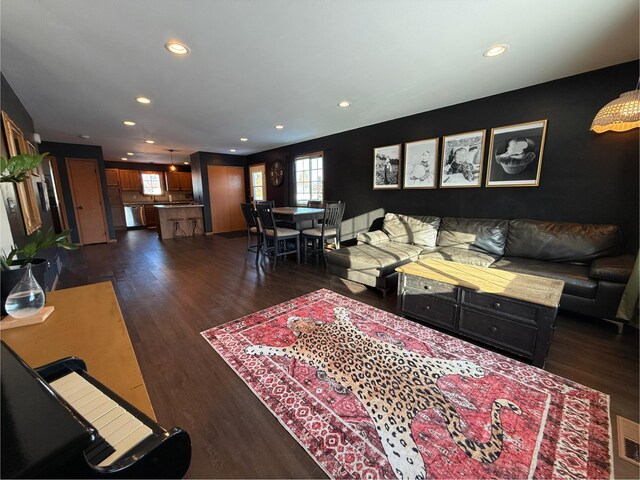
(373, 238)
(612, 269)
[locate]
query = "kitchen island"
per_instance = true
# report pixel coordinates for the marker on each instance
(184, 215)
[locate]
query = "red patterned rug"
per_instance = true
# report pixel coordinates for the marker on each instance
(370, 394)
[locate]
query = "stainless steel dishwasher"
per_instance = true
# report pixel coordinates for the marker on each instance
(134, 216)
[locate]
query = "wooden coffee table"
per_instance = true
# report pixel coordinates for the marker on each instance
(512, 311)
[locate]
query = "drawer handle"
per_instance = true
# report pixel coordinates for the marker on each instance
(427, 287)
(493, 329)
(497, 305)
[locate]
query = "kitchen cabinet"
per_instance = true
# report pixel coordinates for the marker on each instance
(112, 177)
(130, 180)
(179, 181)
(151, 216)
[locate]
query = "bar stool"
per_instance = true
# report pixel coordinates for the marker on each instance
(177, 230)
(195, 226)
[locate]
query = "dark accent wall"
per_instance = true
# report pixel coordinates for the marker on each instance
(200, 177)
(586, 177)
(12, 105)
(61, 151)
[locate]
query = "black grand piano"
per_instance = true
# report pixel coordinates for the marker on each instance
(59, 422)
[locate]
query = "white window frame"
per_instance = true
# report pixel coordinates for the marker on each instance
(308, 157)
(144, 187)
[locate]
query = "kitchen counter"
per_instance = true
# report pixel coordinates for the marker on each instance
(130, 204)
(178, 206)
(189, 220)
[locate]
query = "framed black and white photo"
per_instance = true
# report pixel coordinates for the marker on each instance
(386, 167)
(462, 158)
(515, 155)
(420, 160)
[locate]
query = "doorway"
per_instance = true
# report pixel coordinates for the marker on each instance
(88, 204)
(257, 182)
(226, 193)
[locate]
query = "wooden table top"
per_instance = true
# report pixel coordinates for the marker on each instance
(86, 323)
(528, 288)
(297, 210)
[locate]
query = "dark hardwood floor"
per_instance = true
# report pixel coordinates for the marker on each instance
(170, 291)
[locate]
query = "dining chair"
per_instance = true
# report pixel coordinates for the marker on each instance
(253, 228)
(314, 204)
(318, 237)
(276, 240)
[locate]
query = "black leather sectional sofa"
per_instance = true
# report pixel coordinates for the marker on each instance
(585, 256)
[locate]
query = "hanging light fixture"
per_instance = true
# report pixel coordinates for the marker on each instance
(619, 115)
(172, 167)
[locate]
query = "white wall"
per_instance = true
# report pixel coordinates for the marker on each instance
(6, 239)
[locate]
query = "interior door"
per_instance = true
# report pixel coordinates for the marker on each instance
(88, 205)
(226, 193)
(257, 177)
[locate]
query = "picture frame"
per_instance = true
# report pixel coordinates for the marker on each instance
(26, 195)
(420, 164)
(32, 150)
(515, 154)
(387, 167)
(462, 160)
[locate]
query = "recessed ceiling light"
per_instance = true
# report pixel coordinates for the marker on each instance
(279, 127)
(129, 123)
(129, 153)
(149, 141)
(144, 100)
(232, 149)
(495, 50)
(84, 135)
(186, 163)
(124, 158)
(344, 104)
(176, 47)
(243, 139)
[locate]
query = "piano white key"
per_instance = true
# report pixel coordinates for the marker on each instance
(127, 443)
(84, 410)
(117, 426)
(69, 379)
(114, 425)
(117, 436)
(108, 418)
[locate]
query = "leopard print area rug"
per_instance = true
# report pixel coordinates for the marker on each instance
(370, 394)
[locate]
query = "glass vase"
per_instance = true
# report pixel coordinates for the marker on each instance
(26, 298)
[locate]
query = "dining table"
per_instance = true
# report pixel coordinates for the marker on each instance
(298, 215)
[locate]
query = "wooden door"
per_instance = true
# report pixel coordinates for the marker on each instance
(226, 193)
(88, 205)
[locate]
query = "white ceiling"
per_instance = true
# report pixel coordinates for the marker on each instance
(78, 65)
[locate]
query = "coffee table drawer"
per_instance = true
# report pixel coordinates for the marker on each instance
(425, 307)
(500, 305)
(430, 287)
(514, 336)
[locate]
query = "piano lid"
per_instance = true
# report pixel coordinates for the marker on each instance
(38, 432)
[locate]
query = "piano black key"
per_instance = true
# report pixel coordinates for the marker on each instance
(98, 452)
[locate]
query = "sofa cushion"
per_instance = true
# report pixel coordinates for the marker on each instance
(377, 260)
(460, 255)
(419, 230)
(613, 269)
(576, 277)
(485, 235)
(372, 238)
(561, 242)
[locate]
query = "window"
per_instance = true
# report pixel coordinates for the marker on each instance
(151, 184)
(256, 179)
(308, 174)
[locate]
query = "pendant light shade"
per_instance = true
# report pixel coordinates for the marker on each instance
(620, 115)
(172, 167)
